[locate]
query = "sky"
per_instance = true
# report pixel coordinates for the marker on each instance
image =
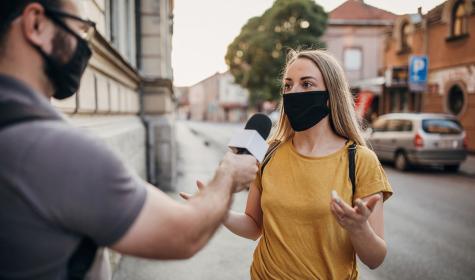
(203, 29)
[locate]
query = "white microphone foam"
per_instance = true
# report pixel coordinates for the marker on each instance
(250, 140)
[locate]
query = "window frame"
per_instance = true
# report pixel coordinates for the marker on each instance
(463, 21)
(122, 31)
(349, 48)
(464, 95)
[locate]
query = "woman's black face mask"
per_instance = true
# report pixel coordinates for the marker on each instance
(306, 109)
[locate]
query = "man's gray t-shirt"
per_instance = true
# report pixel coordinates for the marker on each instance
(57, 186)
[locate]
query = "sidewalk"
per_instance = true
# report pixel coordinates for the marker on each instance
(226, 256)
(468, 166)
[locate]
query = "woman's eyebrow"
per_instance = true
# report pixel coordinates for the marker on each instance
(308, 77)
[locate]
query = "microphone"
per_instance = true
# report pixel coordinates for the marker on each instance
(252, 140)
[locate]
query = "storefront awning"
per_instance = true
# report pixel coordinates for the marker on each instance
(373, 85)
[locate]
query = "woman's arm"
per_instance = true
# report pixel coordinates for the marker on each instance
(365, 223)
(249, 223)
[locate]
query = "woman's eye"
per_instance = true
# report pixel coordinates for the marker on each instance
(307, 84)
(286, 87)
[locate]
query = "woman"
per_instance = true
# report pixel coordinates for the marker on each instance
(306, 232)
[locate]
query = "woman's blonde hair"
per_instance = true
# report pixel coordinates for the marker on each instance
(343, 118)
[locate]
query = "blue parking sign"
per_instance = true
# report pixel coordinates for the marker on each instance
(418, 69)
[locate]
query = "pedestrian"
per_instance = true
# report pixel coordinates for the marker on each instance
(63, 194)
(312, 216)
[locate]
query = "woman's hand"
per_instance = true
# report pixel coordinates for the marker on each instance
(353, 219)
(187, 196)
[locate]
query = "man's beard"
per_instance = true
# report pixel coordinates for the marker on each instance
(62, 49)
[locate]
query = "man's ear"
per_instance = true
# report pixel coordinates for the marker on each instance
(36, 27)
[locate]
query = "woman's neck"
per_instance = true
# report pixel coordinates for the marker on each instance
(319, 140)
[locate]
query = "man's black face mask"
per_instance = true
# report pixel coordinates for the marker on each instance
(65, 77)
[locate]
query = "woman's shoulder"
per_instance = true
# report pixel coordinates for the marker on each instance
(365, 154)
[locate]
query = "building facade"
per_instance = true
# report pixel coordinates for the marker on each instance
(218, 99)
(446, 34)
(355, 36)
(126, 93)
(183, 103)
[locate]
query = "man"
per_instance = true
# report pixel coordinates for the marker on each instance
(61, 189)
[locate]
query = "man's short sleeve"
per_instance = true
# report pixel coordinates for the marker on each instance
(82, 187)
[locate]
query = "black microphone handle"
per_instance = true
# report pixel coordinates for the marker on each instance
(242, 151)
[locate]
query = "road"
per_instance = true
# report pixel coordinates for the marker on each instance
(429, 222)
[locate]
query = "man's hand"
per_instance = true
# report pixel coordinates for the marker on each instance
(242, 168)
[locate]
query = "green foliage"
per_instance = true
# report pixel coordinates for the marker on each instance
(257, 55)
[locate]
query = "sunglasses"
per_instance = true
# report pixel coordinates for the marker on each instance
(86, 29)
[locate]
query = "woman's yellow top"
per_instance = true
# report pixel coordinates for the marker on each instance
(301, 238)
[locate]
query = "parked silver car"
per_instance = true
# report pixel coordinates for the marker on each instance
(419, 139)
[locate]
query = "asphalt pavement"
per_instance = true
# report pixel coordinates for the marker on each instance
(429, 222)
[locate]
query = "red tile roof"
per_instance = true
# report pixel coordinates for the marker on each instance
(358, 10)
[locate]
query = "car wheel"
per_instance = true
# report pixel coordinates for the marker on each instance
(452, 168)
(400, 161)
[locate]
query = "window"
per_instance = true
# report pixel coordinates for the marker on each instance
(455, 100)
(459, 19)
(407, 125)
(121, 20)
(406, 40)
(379, 125)
(441, 126)
(399, 125)
(353, 59)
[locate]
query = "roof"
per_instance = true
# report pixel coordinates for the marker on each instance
(435, 14)
(355, 11)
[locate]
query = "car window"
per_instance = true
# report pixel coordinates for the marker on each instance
(379, 125)
(394, 125)
(399, 125)
(406, 125)
(441, 126)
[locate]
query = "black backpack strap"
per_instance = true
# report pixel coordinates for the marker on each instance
(352, 166)
(12, 113)
(270, 152)
(82, 259)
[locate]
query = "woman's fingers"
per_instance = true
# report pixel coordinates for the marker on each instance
(337, 213)
(347, 209)
(361, 208)
(200, 185)
(338, 209)
(185, 195)
(371, 202)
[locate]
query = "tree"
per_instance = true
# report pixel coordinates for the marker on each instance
(258, 53)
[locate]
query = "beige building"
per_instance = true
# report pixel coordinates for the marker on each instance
(126, 94)
(182, 103)
(355, 35)
(218, 99)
